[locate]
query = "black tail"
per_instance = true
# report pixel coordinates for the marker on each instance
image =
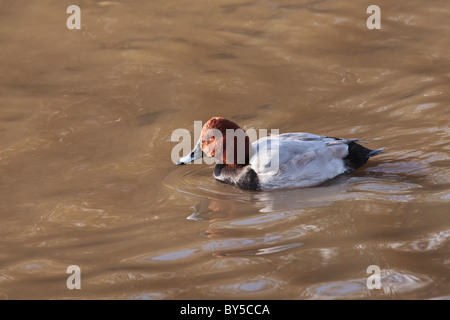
(358, 155)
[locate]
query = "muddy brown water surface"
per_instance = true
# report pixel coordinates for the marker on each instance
(86, 118)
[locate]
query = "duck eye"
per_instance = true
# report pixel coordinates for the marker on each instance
(212, 138)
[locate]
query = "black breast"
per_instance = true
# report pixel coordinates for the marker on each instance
(242, 176)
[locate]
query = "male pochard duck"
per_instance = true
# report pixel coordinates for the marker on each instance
(278, 161)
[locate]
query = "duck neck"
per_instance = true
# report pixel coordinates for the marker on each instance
(238, 160)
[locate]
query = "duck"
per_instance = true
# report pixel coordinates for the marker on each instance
(288, 160)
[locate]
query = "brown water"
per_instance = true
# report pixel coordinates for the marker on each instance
(86, 118)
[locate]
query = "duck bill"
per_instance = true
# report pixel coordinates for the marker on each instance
(196, 153)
